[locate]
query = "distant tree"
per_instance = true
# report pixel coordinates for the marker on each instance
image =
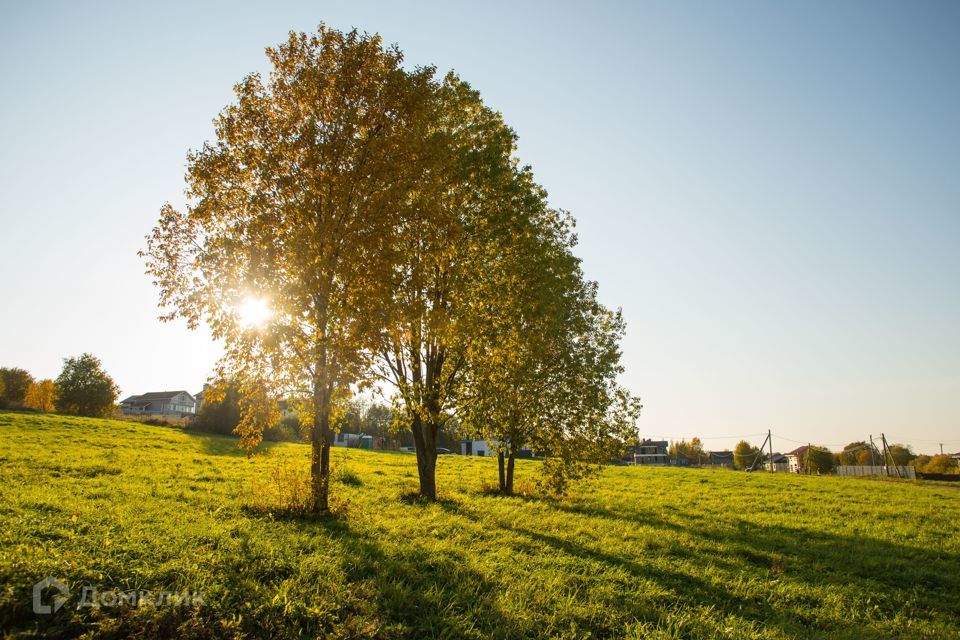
(41, 396)
(16, 381)
(818, 460)
(84, 388)
(849, 454)
(692, 451)
(220, 411)
(744, 454)
(867, 457)
(920, 462)
(902, 454)
(940, 464)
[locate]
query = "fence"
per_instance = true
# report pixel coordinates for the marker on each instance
(876, 470)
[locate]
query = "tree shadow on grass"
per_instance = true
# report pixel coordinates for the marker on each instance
(887, 574)
(892, 575)
(406, 590)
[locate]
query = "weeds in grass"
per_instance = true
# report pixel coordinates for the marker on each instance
(347, 476)
(284, 490)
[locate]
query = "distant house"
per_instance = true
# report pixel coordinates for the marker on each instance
(342, 439)
(470, 447)
(795, 459)
(777, 462)
(649, 452)
(160, 403)
(198, 396)
(720, 459)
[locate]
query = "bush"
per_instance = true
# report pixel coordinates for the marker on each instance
(287, 430)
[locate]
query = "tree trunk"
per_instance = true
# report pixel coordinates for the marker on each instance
(425, 440)
(320, 454)
(500, 468)
(509, 486)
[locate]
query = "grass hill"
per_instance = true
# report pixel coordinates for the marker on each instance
(635, 552)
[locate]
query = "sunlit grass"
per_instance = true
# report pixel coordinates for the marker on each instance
(663, 553)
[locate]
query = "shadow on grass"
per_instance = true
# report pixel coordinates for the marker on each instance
(897, 579)
(407, 590)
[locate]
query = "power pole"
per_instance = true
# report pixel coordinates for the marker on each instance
(770, 442)
(941, 448)
(887, 452)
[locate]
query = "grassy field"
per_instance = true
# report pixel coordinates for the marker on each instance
(635, 553)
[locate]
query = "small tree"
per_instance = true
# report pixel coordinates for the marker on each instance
(84, 387)
(941, 464)
(902, 454)
(16, 381)
(849, 454)
(866, 457)
(41, 396)
(744, 454)
(818, 460)
(691, 451)
(220, 411)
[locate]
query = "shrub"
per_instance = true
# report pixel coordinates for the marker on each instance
(285, 489)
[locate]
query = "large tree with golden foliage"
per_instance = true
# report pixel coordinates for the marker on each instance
(294, 210)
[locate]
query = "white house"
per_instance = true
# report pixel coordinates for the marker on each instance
(160, 403)
(795, 459)
(489, 448)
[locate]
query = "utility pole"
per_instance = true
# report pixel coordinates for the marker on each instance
(886, 453)
(941, 448)
(873, 460)
(886, 466)
(770, 441)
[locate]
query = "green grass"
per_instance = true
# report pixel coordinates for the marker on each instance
(636, 553)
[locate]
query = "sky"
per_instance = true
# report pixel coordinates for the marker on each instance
(769, 191)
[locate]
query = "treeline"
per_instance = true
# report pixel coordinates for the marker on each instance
(83, 388)
(819, 459)
(380, 218)
(862, 454)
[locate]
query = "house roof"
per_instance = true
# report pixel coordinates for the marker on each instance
(799, 451)
(154, 395)
(777, 457)
(722, 455)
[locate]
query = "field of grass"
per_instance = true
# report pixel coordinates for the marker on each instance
(634, 553)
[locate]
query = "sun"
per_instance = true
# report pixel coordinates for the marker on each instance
(254, 312)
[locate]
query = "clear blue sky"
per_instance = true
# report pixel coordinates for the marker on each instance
(770, 192)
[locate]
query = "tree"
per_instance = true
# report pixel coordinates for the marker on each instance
(818, 460)
(744, 455)
(941, 464)
(544, 373)
(866, 457)
(16, 381)
(295, 207)
(900, 454)
(850, 452)
(461, 216)
(691, 451)
(220, 411)
(41, 396)
(84, 388)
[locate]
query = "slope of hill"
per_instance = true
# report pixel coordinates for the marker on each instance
(636, 552)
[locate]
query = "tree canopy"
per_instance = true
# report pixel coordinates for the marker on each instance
(84, 388)
(377, 221)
